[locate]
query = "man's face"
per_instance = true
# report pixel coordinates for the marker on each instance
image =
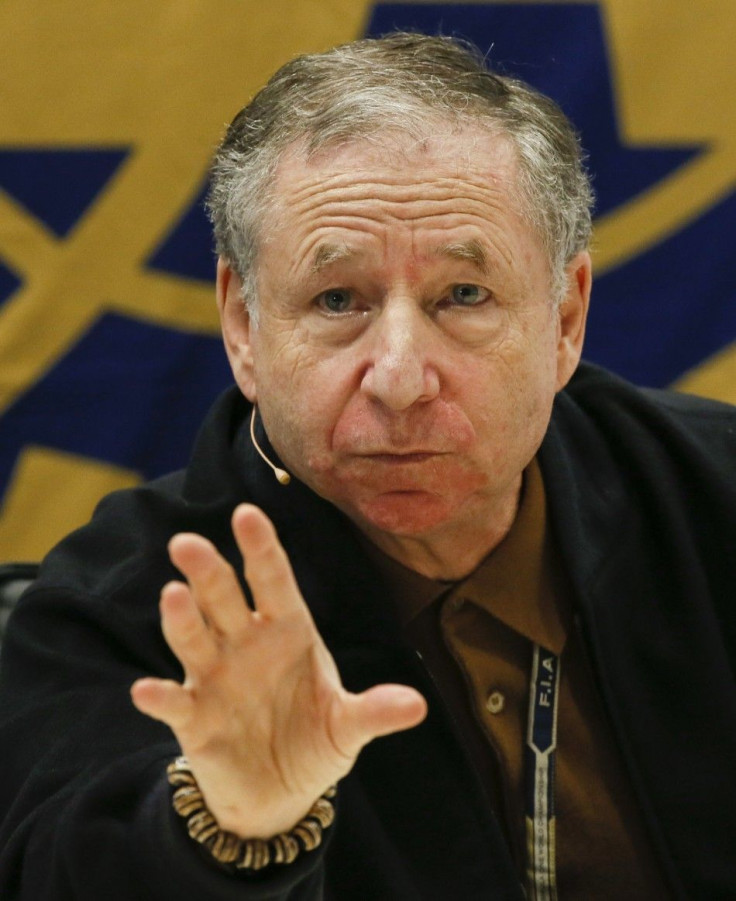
(406, 351)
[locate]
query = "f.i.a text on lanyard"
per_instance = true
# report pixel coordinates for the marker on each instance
(539, 768)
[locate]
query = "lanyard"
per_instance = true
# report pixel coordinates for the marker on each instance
(539, 768)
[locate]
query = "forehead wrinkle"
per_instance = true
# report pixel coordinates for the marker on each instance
(308, 185)
(374, 214)
(432, 192)
(337, 202)
(378, 197)
(324, 252)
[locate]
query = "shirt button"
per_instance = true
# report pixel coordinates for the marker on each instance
(495, 702)
(456, 603)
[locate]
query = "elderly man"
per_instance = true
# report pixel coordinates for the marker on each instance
(475, 610)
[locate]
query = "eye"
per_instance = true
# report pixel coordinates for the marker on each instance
(336, 300)
(468, 295)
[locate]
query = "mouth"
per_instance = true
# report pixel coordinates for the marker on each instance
(403, 457)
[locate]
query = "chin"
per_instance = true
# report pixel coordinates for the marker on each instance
(405, 512)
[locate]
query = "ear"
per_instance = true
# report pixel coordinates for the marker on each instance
(573, 314)
(236, 326)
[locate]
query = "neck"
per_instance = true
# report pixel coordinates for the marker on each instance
(453, 551)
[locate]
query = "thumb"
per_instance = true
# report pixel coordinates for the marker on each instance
(378, 711)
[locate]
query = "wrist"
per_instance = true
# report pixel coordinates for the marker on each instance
(233, 850)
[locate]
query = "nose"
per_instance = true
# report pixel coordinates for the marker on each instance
(399, 372)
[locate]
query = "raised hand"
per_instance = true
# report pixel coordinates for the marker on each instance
(262, 714)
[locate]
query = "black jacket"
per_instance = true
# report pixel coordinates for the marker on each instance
(641, 488)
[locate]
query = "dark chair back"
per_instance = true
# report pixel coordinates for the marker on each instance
(14, 579)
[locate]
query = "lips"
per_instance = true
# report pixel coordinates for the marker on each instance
(392, 457)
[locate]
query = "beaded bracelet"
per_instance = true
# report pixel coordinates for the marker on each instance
(245, 853)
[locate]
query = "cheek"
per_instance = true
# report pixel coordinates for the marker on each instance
(300, 406)
(513, 409)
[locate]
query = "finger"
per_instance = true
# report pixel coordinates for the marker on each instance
(212, 580)
(267, 566)
(163, 700)
(381, 710)
(184, 629)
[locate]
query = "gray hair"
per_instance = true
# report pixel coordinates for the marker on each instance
(398, 83)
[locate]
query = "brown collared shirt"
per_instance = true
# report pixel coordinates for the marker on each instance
(476, 638)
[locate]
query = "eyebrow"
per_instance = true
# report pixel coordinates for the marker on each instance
(327, 254)
(471, 251)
